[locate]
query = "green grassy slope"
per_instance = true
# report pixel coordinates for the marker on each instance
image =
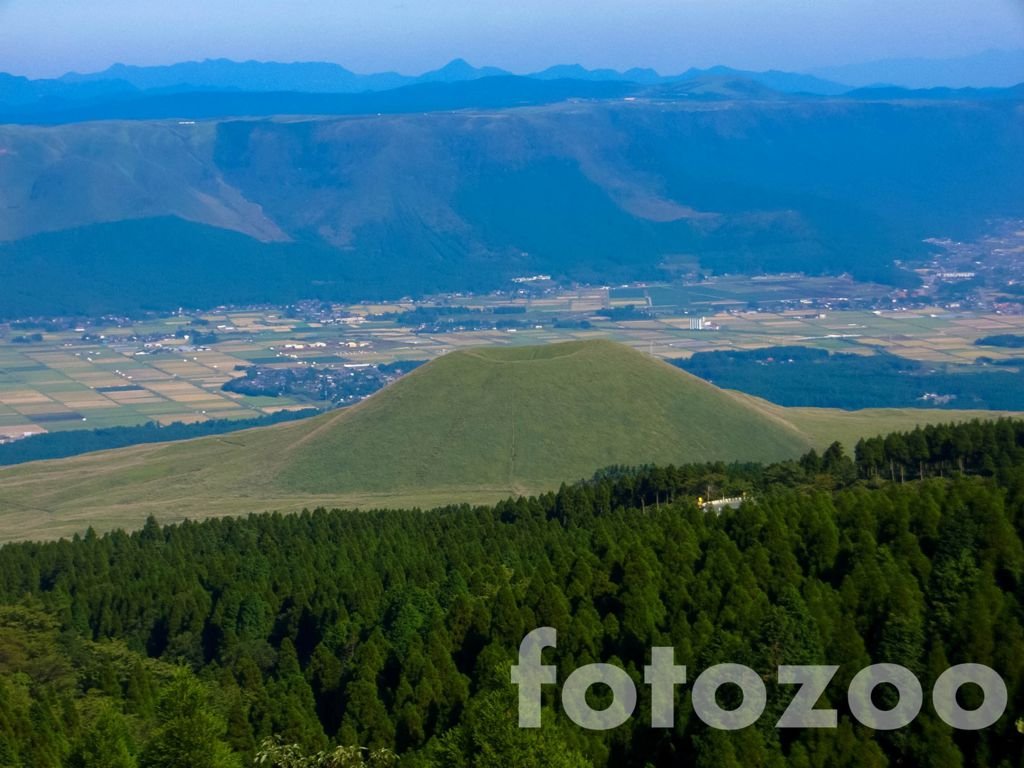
(473, 426)
(528, 417)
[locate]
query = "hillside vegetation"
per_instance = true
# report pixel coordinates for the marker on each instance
(803, 376)
(597, 189)
(396, 631)
(472, 426)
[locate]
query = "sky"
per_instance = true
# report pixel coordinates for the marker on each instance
(45, 38)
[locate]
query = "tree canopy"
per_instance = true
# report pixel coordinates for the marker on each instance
(371, 637)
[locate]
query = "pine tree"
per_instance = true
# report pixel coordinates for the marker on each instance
(191, 734)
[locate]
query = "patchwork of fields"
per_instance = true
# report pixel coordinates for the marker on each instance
(69, 383)
(472, 427)
(132, 374)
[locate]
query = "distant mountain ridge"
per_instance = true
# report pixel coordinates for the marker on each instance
(323, 77)
(223, 88)
(468, 178)
(55, 102)
(493, 92)
(991, 69)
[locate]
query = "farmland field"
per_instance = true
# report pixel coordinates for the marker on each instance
(473, 427)
(133, 372)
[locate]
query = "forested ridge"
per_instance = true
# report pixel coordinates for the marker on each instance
(394, 631)
(60, 445)
(804, 376)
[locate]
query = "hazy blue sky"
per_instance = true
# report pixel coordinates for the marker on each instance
(48, 37)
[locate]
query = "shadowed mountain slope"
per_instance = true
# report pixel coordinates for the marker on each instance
(600, 191)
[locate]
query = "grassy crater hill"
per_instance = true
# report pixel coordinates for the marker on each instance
(475, 426)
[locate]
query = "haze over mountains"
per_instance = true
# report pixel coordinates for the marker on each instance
(995, 68)
(990, 69)
(275, 182)
(123, 81)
